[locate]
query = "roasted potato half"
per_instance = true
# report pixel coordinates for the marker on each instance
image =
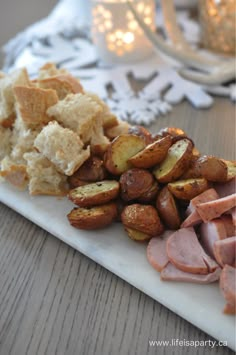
(94, 217)
(96, 193)
(167, 209)
(152, 154)
(193, 170)
(141, 132)
(176, 162)
(138, 184)
(143, 218)
(120, 150)
(121, 128)
(188, 189)
(137, 235)
(91, 171)
(212, 168)
(231, 168)
(174, 132)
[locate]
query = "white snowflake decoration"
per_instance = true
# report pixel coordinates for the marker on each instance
(78, 55)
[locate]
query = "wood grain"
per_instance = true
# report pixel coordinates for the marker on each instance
(54, 300)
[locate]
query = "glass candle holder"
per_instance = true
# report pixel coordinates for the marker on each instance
(116, 34)
(218, 25)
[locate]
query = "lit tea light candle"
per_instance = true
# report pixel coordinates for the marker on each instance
(116, 34)
(218, 23)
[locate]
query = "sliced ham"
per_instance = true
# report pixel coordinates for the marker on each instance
(185, 252)
(213, 209)
(171, 273)
(228, 288)
(210, 232)
(225, 251)
(156, 251)
(233, 214)
(227, 188)
(229, 225)
(193, 217)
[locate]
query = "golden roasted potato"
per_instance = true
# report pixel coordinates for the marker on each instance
(167, 209)
(231, 168)
(212, 168)
(193, 170)
(174, 132)
(138, 184)
(120, 150)
(143, 218)
(137, 235)
(96, 193)
(152, 154)
(141, 132)
(176, 161)
(188, 189)
(94, 217)
(91, 171)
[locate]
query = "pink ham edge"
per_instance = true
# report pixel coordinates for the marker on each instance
(226, 188)
(214, 209)
(156, 251)
(233, 214)
(193, 217)
(230, 228)
(210, 232)
(185, 252)
(225, 251)
(228, 288)
(171, 273)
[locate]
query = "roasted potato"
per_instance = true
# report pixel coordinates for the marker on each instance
(188, 189)
(193, 170)
(167, 209)
(91, 171)
(152, 154)
(174, 132)
(137, 235)
(231, 168)
(120, 150)
(121, 128)
(143, 218)
(96, 193)
(138, 184)
(94, 217)
(176, 161)
(212, 168)
(141, 132)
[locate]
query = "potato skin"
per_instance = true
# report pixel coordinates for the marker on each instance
(143, 218)
(174, 132)
(137, 235)
(189, 188)
(176, 161)
(96, 193)
(91, 171)
(141, 132)
(94, 217)
(138, 184)
(167, 209)
(120, 150)
(212, 168)
(152, 154)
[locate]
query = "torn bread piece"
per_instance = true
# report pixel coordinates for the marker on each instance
(121, 128)
(32, 104)
(63, 84)
(49, 69)
(14, 173)
(77, 112)
(5, 141)
(62, 147)
(44, 179)
(7, 100)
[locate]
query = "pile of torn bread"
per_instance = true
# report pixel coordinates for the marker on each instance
(48, 128)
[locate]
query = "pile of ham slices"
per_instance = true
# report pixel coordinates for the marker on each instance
(203, 250)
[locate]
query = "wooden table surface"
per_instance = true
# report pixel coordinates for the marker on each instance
(54, 300)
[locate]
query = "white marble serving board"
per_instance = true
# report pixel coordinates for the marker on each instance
(110, 247)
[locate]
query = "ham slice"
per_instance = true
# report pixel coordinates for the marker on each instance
(228, 288)
(233, 214)
(185, 252)
(229, 225)
(210, 232)
(193, 217)
(226, 189)
(225, 250)
(213, 209)
(156, 251)
(171, 273)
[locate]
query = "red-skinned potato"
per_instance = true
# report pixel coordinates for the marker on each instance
(167, 209)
